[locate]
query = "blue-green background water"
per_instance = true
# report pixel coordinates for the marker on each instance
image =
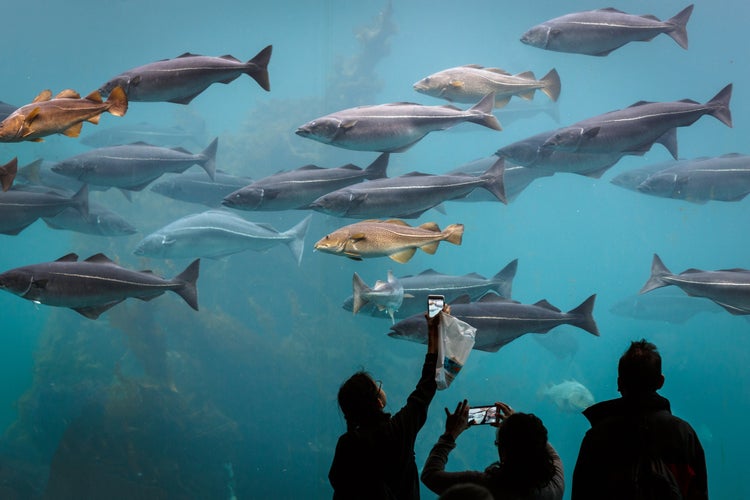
(174, 396)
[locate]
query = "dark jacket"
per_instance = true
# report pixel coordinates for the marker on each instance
(378, 461)
(620, 428)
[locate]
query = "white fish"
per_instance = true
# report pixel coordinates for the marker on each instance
(570, 396)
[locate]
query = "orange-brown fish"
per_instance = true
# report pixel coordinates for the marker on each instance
(393, 238)
(63, 114)
(8, 173)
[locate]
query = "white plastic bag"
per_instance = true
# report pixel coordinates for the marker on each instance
(454, 347)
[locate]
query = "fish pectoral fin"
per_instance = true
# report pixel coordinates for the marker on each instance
(348, 124)
(408, 296)
(357, 237)
(93, 312)
(39, 283)
(44, 95)
(430, 248)
(353, 256)
(74, 130)
(456, 84)
(32, 115)
(403, 256)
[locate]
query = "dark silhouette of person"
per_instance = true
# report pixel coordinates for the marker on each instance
(374, 459)
(637, 426)
(466, 491)
(529, 467)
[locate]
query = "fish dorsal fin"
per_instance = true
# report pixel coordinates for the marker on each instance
(461, 299)
(427, 272)
(94, 96)
(430, 226)
(493, 297)
(546, 305)
(99, 258)
(499, 71)
(688, 101)
(310, 167)
(44, 95)
(229, 57)
(140, 143)
(181, 150)
(731, 155)
(398, 222)
(526, 75)
(610, 9)
(185, 54)
(640, 103)
(650, 17)
(348, 166)
(475, 66)
(416, 174)
(735, 270)
(451, 107)
(692, 270)
(71, 257)
(68, 94)
(475, 275)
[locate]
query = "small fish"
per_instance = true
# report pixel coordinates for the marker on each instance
(393, 238)
(569, 396)
(182, 79)
(100, 221)
(385, 296)
(730, 288)
(8, 174)
(472, 82)
(64, 114)
(94, 285)
(393, 127)
(194, 187)
(599, 32)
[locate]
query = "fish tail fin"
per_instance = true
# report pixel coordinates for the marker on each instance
(117, 101)
(658, 271)
(679, 21)
(359, 288)
(493, 178)
(454, 233)
(209, 164)
(377, 169)
(720, 105)
(551, 84)
(504, 279)
(296, 241)
(585, 311)
(258, 68)
(188, 279)
(482, 112)
(8, 173)
(81, 201)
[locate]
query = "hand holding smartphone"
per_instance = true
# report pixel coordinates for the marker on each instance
(435, 304)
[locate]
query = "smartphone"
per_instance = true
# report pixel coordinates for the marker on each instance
(434, 305)
(482, 415)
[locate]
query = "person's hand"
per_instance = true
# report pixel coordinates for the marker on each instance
(503, 411)
(458, 421)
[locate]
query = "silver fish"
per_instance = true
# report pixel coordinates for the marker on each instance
(19, 209)
(384, 295)
(599, 32)
(393, 127)
(182, 79)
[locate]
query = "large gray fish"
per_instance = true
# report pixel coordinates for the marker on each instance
(529, 153)
(20, 209)
(158, 135)
(393, 127)
(417, 288)
(472, 82)
(407, 196)
(499, 321)
(393, 238)
(663, 305)
(724, 178)
(94, 285)
(515, 178)
(134, 166)
(634, 177)
(193, 187)
(298, 188)
(635, 129)
(8, 174)
(730, 288)
(100, 221)
(181, 79)
(63, 114)
(384, 295)
(599, 32)
(218, 233)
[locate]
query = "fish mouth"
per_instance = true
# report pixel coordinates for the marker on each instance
(303, 132)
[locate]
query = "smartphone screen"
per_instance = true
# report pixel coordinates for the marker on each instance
(482, 415)
(434, 305)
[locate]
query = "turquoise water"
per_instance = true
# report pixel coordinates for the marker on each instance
(239, 398)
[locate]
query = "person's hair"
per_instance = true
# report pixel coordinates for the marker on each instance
(358, 400)
(466, 491)
(639, 369)
(527, 464)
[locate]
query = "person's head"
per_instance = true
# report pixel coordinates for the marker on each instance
(639, 370)
(466, 491)
(522, 446)
(361, 400)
